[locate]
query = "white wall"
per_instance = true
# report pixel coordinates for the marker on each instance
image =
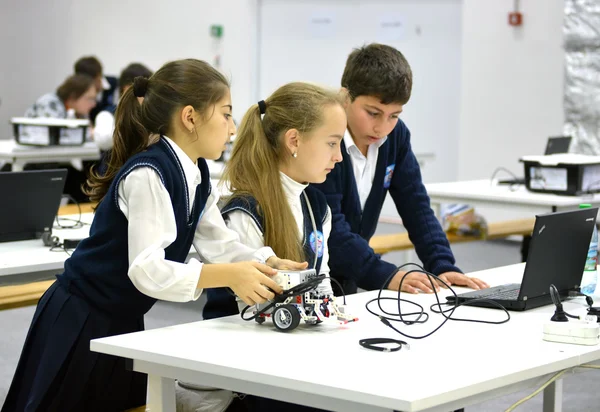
(510, 95)
(512, 84)
(32, 36)
(42, 40)
(430, 38)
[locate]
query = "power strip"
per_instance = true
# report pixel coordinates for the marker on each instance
(577, 332)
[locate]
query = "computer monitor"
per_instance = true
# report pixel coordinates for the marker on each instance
(29, 202)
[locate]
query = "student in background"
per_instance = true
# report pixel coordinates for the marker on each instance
(155, 202)
(75, 97)
(106, 86)
(105, 120)
(77, 92)
(377, 158)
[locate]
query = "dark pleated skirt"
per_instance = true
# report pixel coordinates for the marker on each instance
(58, 372)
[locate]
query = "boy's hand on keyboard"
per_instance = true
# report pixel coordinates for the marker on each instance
(460, 279)
(413, 283)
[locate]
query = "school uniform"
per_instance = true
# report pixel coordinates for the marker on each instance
(241, 215)
(106, 98)
(139, 240)
(355, 191)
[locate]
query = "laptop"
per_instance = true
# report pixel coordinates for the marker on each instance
(557, 252)
(557, 145)
(554, 145)
(29, 202)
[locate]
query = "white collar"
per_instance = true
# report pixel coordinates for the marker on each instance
(190, 169)
(292, 189)
(349, 142)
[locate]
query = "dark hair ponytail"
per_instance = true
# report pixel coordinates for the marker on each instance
(175, 85)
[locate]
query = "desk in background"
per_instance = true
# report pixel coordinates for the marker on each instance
(226, 353)
(514, 200)
(31, 256)
(19, 155)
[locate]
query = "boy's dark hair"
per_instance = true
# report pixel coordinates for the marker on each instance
(74, 87)
(89, 65)
(131, 72)
(380, 71)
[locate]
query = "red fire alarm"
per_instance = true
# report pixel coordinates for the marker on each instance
(515, 18)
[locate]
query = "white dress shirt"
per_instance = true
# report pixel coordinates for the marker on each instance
(146, 204)
(103, 130)
(251, 235)
(363, 166)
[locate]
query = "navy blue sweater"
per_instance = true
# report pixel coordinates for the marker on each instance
(97, 270)
(352, 262)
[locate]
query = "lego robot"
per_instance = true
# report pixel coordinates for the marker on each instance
(300, 301)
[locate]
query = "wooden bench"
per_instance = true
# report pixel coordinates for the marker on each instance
(382, 244)
(26, 294)
(15, 296)
(73, 209)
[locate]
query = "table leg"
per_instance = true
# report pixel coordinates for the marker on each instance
(525, 247)
(161, 394)
(553, 395)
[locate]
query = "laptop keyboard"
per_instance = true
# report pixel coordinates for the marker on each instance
(503, 292)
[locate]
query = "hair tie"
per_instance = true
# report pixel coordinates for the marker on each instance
(262, 106)
(140, 86)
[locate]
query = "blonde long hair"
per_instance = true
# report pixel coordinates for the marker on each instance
(259, 149)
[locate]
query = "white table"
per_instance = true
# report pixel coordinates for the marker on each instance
(30, 256)
(19, 155)
(485, 193)
(440, 373)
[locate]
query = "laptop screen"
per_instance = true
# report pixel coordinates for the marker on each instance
(29, 202)
(557, 145)
(557, 252)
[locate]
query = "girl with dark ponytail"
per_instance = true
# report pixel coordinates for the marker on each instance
(155, 202)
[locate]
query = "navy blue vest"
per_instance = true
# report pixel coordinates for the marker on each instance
(220, 301)
(97, 270)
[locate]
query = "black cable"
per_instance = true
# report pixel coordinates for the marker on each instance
(432, 278)
(375, 344)
(514, 185)
(297, 290)
(60, 247)
(503, 169)
(341, 288)
(78, 223)
(560, 315)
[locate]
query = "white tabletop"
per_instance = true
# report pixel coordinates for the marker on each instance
(442, 372)
(10, 149)
(487, 190)
(30, 256)
(19, 155)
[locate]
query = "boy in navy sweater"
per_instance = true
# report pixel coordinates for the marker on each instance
(377, 158)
